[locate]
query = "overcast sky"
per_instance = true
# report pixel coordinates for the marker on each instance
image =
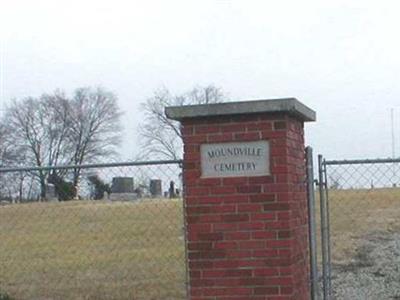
(341, 58)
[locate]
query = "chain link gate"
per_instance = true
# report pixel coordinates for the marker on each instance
(360, 228)
(118, 234)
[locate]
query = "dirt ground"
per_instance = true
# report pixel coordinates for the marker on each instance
(365, 243)
(373, 272)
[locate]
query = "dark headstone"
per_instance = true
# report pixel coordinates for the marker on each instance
(122, 185)
(155, 187)
(172, 189)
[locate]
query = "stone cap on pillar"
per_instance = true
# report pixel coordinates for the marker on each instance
(289, 106)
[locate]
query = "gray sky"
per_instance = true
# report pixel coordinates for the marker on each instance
(341, 58)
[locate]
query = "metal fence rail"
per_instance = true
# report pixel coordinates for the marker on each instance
(362, 228)
(101, 231)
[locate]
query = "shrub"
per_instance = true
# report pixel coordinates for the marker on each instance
(99, 187)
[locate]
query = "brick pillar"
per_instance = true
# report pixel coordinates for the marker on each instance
(247, 229)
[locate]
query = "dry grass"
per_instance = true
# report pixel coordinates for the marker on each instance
(101, 250)
(355, 214)
(92, 250)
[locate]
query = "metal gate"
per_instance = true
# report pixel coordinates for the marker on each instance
(359, 222)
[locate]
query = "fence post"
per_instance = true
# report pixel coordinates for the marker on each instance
(328, 229)
(324, 228)
(312, 224)
(245, 199)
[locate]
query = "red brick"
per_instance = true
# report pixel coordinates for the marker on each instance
(197, 191)
(206, 129)
(194, 139)
(266, 253)
(270, 134)
(252, 281)
(187, 130)
(201, 264)
(226, 282)
(224, 209)
(226, 264)
(210, 236)
(222, 190)
(191, 148)
(259, 126)
(262, 197)
(233, 127)
(278, 151)
(235, 180)
(239, 254)
(266, 272)
(237, 235)
(224, 291)
(283, 215)
(205, 254)
(220, 138)
(251, 226)
(249, 189)
(204, 218)
(198, 210)
(250, 263)
(235, 218)
(264, 235)
(281, 281)
(284, 234)
(250, 207)
(208, 200)
(261, 179)
(194, 274)
(209, 181)
(202, 282)
(286, 290)
(280, 125)
(224, 227)
(247, 136)
(235, 198)
(200, 246)
(238, 272)
(276, 206)
(226, 245)
(279, 243)
(252, 244)
(263, 216)
(247, 236)
(266, 290)
(199, 227)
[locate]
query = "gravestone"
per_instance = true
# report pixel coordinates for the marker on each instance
(122, 185)
(155, 187)
(51, 194)
(172, 189)
(122, 189)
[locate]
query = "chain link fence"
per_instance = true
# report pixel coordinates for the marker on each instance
(363, 203)
(112, 231)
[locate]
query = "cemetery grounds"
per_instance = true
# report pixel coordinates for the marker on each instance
(119, 250)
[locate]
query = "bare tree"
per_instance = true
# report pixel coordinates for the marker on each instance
(161, 137)
(35, 127)
(53, 130)
(12, 185)
(95, 127)
(8, 153)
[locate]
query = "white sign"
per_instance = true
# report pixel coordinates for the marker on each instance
(235, 159)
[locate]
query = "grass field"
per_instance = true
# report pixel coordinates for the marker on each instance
(92, 250)
(102, 250)
(355, 214)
